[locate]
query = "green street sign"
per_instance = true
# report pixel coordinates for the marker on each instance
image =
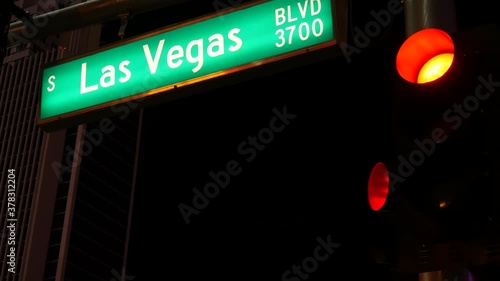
(179, 55)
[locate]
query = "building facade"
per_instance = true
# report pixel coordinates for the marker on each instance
(65, 207)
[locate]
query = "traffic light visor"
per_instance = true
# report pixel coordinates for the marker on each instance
(425, 56)
(378, 186)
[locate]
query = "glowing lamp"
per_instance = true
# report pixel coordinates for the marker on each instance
(425, 56)
(378, 186)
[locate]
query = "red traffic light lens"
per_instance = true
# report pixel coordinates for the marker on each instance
(378, 186)
(425, 56)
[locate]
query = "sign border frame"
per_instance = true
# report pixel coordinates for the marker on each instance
(338, 36)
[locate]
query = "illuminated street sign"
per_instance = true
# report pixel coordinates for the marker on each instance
(184, 54)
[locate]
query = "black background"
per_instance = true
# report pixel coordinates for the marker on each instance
(309, 182)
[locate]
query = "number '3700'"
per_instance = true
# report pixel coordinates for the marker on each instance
(304, 30)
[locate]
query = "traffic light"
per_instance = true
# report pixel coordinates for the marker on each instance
(441, 181)
(444, 104)
(425, 65)
(445, 145)
(378, 186)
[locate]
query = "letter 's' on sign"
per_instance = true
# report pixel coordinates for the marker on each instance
(162, 62)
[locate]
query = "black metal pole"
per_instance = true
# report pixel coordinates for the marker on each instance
(422, 14)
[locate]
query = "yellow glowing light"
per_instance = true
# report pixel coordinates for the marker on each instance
(435, 68)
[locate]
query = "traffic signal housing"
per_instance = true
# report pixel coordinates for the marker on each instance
(441, 183)
(445, 112)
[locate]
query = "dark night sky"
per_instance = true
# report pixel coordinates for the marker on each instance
(308, 182)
